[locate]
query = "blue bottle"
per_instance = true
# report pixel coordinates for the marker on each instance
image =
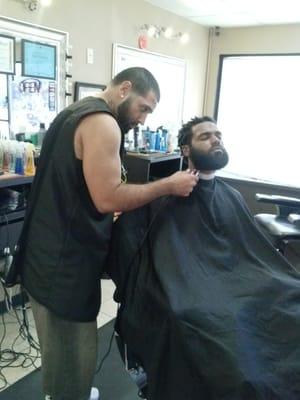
(146, 139)
(164, 140)
(19, 167)
(158, 140)
(152, 140)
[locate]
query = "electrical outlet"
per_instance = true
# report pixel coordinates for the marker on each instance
(90, 56)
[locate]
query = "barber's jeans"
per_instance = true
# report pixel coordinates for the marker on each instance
(69, 354)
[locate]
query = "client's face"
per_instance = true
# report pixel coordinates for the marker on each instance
(206, 151)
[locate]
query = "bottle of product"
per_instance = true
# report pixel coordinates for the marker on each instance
(41, 134)
(157, 140)
(136, 138)
(20, 159)
(164, 140)
(12, 158)
(152, 140)
(170, 143)
(146, 138)
(6, 156)
(29, 165)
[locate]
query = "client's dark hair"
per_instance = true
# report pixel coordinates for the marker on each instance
(185, 133)
(141, 79)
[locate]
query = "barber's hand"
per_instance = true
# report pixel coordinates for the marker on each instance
(183, 182)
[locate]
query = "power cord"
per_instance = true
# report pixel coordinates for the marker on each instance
(106, 354)
(9, 356)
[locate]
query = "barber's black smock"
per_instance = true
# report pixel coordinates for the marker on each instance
(209, 308)
(67, 238)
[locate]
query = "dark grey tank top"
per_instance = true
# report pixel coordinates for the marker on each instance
(67, 238)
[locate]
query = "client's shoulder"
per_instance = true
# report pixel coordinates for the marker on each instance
(227, 188)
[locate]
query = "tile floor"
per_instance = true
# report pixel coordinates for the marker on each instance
(9, 329)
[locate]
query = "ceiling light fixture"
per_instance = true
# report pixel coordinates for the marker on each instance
(155, 31)
(168, 32)
(184, 38)
(33, 5)
(46, 3)
(152, 31)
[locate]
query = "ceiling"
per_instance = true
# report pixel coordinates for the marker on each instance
(233, 13)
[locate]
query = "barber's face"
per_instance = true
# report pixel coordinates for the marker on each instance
(134, 109)
(206, 151)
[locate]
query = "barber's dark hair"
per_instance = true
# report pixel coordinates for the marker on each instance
(141, 79)
(185, 133)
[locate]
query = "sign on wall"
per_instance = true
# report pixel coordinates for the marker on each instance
(38, 60)
(7, 54)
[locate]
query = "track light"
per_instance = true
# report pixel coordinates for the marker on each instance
(155, 31)
(151, 31)
(184, 38)
(46, 3)
(168, 32)
(33, 5)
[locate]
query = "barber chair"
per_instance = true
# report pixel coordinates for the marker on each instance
(133, 367)
(284, 227)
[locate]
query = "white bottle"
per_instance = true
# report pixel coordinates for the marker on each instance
(12, 158)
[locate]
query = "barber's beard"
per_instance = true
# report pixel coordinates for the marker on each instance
(123, 116)
(217, 158)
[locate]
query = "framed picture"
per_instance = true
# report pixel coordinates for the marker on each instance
(83, 89)
(38, 60)
(7, 54)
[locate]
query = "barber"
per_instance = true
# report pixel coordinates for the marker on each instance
(70, 225)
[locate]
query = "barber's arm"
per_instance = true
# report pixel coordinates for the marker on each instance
(99, 137)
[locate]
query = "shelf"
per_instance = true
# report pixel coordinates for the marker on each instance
(154, 157)
(145, 167)
(7, 180)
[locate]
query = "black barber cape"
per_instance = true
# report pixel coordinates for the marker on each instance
(208, 307)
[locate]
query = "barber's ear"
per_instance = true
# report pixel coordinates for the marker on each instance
(185, 150)
(125, 88)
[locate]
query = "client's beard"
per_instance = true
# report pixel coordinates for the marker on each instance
(217, 158)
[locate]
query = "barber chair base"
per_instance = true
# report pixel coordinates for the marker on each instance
(135, 370)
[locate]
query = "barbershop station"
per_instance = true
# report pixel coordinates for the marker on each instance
(149, 200)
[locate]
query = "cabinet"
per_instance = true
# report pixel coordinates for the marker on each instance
(14, 191)
(142, 168)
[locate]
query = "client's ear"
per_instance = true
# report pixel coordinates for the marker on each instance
(185, 149)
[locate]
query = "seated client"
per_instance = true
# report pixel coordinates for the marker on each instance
(208, 307)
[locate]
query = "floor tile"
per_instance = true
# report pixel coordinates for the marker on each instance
(10, 325)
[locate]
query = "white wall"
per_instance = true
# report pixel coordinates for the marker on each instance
(252, 40)
(100, 23)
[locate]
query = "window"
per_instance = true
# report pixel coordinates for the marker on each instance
(258, 113)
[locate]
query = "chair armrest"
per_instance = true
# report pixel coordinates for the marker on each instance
(278, 200)
(294, 219)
